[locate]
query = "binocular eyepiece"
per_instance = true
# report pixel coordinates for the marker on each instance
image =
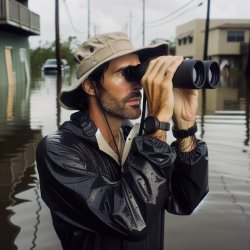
(191, 74)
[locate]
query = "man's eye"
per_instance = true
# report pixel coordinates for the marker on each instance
(121, 73)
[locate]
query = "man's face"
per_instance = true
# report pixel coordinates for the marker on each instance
(119, 97)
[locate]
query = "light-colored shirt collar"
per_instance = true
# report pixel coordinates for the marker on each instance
(123, 146)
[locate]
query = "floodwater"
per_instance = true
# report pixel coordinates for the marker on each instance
(29, 111)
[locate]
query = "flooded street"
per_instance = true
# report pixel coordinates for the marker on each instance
(30, 111)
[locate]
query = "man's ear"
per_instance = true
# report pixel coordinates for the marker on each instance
(88, 87)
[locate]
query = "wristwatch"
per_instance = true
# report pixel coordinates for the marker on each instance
(152, 124)
(182, 133)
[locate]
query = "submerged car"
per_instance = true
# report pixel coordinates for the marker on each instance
(50, 66)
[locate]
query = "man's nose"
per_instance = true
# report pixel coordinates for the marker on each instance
(136, 85)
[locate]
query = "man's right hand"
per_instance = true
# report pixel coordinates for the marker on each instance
(158, 86)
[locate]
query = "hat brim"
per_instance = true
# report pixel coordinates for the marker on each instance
(70, 98)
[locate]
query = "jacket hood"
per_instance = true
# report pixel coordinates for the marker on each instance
(81, 126)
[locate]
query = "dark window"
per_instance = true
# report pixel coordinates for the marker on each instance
(179, 41)
(184, 40)
(190, 39)
(235, 36)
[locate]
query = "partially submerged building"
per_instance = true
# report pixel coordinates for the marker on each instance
(17, 23)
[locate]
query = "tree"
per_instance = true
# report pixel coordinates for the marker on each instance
(40, 54)
(171, 44)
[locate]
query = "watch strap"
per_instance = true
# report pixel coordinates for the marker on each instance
(164, 126)
(182, 133)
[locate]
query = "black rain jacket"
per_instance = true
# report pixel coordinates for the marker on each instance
(96, 205)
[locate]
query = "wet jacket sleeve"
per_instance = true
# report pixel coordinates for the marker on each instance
(75, 189)
(189, 182)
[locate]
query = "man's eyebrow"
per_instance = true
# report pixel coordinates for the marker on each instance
(120, 69)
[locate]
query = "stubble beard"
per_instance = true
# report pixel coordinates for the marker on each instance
(117, 108)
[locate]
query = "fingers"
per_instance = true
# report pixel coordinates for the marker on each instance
(157, 83)
(158, 76)
(161, 68)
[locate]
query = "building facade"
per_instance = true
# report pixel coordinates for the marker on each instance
(17, 23)
(227, 44)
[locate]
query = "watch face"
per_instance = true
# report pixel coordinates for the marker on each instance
(151, 124)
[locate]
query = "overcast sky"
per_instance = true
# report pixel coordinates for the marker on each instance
(161, 17)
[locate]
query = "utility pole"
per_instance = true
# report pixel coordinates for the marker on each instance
(88, 18)
(130, 24)
(206, 31)
(95, 29)
(143, 22)
(203, 91)
(58, 49)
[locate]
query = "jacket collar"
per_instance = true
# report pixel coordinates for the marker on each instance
(92, 134)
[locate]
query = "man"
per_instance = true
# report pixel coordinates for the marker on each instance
(106, 185)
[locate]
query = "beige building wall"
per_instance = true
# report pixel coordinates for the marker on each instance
(189, 50)
(217, 43)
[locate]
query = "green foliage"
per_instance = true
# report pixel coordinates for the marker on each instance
(40, 54)
(67, 49)
(171, 44)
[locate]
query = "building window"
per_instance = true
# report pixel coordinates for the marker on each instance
(190, 39)
(184, 40)
(235, 36)
(179, 41)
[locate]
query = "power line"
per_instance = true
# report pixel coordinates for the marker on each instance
(89, 21)
(70, 19)
(172, 13)
(170, 18)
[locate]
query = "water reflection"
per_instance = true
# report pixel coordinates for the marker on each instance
(17, 162)
(30, 111)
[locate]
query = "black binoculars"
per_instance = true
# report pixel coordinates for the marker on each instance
(191, 74)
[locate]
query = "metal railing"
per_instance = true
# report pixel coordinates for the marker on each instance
(19, 15)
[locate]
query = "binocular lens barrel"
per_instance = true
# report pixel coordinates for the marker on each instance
(213, 74)
(191, 74)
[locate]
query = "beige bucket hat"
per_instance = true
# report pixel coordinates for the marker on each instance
(98, 50)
